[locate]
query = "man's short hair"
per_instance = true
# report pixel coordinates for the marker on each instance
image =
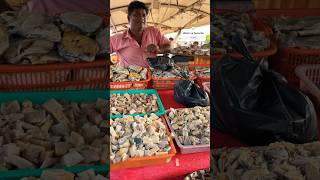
(136, 5)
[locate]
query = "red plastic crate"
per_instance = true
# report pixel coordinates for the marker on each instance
(64, 76)
(287, 59)
(169, 83)
(309, 76)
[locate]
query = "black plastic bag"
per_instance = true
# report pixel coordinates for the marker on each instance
(189, 94)
(254, 103)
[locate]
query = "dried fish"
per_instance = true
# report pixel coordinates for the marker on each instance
(133, 103)
(175, 72)
(199, 175)
(120, 73)
(203, 71)
(302, 32)
(191, 125)
(149, 132)
(279, 160)
(85, 22)
(75, 46)
(227, 24)
(42, 136)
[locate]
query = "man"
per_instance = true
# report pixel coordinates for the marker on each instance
(139, 42)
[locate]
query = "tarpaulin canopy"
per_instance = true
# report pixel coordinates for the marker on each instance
(167, 15)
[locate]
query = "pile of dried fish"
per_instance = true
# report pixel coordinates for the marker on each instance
(296, 32)
(191, 50)
(175, 72)
(191, 125)
(228, 24)
(199, 175)
(61, 174)
(280, 160)
(135, 136)
(133, 103)
(32, 38)
(203, 71)
(56, 133)
(120, 73)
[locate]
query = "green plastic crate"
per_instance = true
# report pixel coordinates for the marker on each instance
(39, 98)
(137, 91)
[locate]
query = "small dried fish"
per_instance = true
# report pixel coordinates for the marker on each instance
(135, 136)
(227, 24)
(41, 136)
(203, 71)
(133, 103)
(120, 73)
(191, 125)
(279, 160)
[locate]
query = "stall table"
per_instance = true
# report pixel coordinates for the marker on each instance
(179, 166)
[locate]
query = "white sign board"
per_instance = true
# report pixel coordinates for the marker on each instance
(192, 34)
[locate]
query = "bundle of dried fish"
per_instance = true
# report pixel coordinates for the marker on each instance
(72, 36)
(58, 174)
(191, 125)
(296, 32)
(202, 71)
(280, 160)
(133, 103)
(32, 25)
(175, 72)
(199, 175)
(27, 50)
(85, 22)
(75, 46)
(120, 73)
(135, 136)
(53, 134)
(228, 24)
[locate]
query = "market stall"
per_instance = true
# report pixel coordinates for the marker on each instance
(153, 141)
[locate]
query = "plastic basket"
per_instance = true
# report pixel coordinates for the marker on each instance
(144, 91)
(183, 148)
(143, 84)
(200, 79)
(54, 76)
(39, 98)
(169, 83)
(287, 59)
(309, 76)
(258, 26)
(147, 161)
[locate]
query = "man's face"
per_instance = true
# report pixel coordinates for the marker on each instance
(137, 19)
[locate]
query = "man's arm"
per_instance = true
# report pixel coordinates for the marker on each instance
(163, 43)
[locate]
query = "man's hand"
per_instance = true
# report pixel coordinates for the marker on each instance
(152, 48)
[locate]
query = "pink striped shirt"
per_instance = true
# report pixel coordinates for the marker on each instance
(130, 52)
